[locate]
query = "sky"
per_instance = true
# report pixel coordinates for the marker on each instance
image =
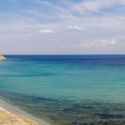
(62, 27)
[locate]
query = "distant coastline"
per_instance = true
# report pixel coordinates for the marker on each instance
(2, 57)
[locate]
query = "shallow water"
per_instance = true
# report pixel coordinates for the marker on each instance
(80, 90)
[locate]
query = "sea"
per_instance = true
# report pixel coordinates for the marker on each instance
(66, 89)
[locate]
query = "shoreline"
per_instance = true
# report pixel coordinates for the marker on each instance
(10, 115)
(7, 118)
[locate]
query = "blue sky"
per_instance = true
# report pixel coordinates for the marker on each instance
(62, 27)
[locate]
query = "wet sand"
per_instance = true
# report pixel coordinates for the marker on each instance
(11, 115)
(6, 118)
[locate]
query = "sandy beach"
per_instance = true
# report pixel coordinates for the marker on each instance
(6, 118)
(10, 115)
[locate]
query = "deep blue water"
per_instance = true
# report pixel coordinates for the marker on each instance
(66, 89)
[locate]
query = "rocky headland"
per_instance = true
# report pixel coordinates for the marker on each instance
(2, 57)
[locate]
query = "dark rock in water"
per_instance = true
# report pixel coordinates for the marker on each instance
(80, 123)
(85, 124)
(76, 105)
(64, 112)
(67, 109)
(108, 116)
(100, 123)
(91, 123)
(106, 123)
(123, 122)
(74, 123)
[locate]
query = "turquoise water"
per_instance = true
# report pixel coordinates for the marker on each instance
(63, 89)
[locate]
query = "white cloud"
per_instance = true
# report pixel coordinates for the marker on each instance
(95, 5)
(86, 45)
(122, 37)
(42, 2)
(113, 41)
(46, 31)
(67, 17)
(104, 42)
(99, 43)
(76, 28)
